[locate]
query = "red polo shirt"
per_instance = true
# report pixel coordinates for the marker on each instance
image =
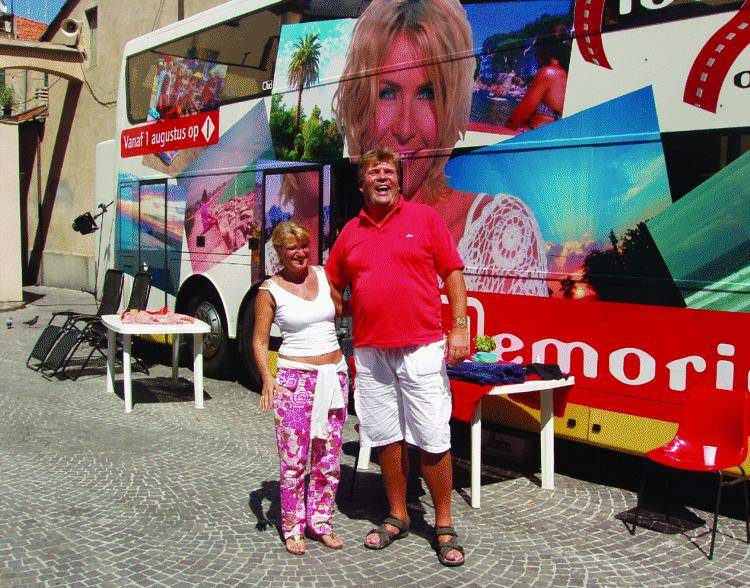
(393, 268)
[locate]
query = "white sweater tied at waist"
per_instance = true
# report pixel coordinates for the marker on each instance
(327, 394)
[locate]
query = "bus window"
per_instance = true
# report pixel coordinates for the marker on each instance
(694, 156)
(204, 70)
(127, 226)
(152, 232)
(297, 196)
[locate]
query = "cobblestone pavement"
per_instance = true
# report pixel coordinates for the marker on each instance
(172, 496)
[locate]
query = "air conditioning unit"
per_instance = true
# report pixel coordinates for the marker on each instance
(42, 94)
(6, 23)
(70, 29)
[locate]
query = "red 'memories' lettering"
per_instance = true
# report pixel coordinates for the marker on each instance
(646, 353)
(642, 369)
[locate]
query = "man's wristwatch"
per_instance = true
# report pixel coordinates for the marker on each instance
(460, 321)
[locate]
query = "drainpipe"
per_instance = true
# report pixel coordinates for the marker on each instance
(39, 191)
(180, 9)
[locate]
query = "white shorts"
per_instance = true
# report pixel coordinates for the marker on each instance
(403, 393)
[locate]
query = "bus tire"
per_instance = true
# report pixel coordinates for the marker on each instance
(217, 348)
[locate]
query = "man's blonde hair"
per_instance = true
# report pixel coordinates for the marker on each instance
(286, 229)
(441, 34)
(374, 157)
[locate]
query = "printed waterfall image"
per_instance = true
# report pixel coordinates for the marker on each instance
(523, 71)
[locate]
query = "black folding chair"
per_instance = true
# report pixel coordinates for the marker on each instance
(66, 319)
(91, 332)
(139, 293)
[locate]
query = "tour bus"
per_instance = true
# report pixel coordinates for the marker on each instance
(590, 159)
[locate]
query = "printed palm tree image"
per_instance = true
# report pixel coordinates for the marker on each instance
(310, 55)
(304, 69)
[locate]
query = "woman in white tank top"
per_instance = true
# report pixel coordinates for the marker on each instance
(310, 391)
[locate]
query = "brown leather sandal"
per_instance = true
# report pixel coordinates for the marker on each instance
(386, 535)
(444, 548)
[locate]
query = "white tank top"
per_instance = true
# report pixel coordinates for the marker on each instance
(307, 326)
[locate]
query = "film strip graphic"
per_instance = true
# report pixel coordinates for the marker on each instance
(587, 25)
(712, 65)
(710, 68)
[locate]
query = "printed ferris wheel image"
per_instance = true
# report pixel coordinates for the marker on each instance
(710, 67)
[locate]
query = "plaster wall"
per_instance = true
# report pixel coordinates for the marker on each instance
(80, 117)
(10, 229)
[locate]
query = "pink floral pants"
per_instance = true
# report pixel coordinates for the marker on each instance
(292, 409)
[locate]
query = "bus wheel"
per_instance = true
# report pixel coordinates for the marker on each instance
(216, 346)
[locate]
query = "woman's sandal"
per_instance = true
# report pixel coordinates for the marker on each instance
(386, 535)
(297, 541)
(444, 548)
(327, 539)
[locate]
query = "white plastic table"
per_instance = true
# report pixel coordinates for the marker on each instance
(115, 326)
(546, 431)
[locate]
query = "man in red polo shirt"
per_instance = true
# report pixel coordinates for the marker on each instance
(392, 254)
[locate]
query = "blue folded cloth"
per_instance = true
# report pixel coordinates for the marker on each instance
(487, 374)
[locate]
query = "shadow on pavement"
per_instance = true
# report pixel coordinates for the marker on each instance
(267, 493)
(29, 297)
(160, 389)
(672, 521)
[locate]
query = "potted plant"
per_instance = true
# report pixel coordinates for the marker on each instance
(7, 99)
(484, 346)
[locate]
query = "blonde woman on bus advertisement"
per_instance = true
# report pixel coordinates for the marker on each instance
(418, 105)
(295, 196)
(310, 391)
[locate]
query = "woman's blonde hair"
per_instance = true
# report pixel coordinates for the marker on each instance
(286, 229)
(440, 32)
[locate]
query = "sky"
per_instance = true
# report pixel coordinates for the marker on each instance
(334, 39)
(577, 186)
(41, 10)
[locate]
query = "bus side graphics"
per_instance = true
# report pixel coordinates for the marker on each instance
(612, 195)
(711, 64)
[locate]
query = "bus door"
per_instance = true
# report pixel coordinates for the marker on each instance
(153, 234)
(294, 194)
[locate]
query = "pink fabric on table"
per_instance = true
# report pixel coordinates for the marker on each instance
(144, 317)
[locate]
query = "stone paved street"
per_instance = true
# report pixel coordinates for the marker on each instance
(172, 496)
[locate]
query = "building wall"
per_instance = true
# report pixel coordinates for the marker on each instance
(10, 231)
(24, 82)
(80, 116)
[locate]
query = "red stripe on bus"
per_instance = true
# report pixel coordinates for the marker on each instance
(587, 24)
(712, 65)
